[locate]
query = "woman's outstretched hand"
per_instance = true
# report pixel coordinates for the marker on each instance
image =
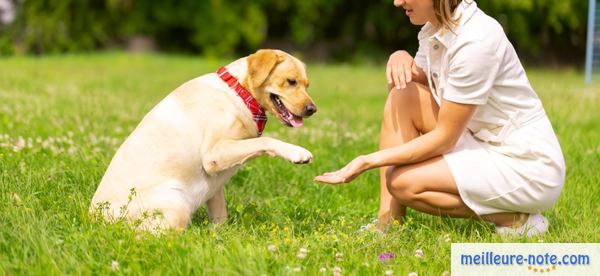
(345, 174)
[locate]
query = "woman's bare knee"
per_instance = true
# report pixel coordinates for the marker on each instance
(410, 108)
(400, 100)
(400, 186)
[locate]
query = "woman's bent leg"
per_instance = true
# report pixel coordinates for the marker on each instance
(429, 187)
(407, 114)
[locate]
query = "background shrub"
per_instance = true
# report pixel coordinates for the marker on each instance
(549, 30)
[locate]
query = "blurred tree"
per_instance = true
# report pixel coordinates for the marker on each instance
(47, 26)
(543, 28)
(341, 29)
(213, 27)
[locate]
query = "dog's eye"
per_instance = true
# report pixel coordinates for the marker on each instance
(291, 82)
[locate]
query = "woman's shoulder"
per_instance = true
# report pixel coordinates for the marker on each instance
(480, 27)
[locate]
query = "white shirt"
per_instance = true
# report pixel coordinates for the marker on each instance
(476, 64)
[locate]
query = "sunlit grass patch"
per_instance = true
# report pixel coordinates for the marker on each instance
(62, 119)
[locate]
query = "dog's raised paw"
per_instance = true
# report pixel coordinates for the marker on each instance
(298, 155)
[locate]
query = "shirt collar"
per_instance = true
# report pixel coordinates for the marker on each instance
(463, 13)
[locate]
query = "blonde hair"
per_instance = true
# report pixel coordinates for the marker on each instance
(443, 10)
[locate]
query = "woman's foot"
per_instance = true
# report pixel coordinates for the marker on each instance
(381, 224)
(373, 226)
(530, 225)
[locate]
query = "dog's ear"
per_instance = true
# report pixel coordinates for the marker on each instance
(260, 65)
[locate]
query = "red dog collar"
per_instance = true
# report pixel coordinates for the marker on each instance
(257, 111)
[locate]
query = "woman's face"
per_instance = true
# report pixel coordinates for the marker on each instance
(418, 11)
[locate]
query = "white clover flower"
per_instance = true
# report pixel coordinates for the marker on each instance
(16, 198)
(389, 272)
(296, 269)
(20, 144)
(337, 271)
(322, 269)
(447, 238)
(419, 253)
(413, 274)
(446, 273)
(272, 248)
(338, 256)
(114, 265)
(302, 253)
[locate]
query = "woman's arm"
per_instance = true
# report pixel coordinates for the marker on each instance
(452, 121)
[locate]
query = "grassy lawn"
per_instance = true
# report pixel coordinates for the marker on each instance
(63, 118)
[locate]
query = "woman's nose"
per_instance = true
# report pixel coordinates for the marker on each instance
(398, 3)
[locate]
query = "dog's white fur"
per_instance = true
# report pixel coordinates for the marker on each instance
(189, 145)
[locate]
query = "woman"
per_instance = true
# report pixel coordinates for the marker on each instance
(463, 134)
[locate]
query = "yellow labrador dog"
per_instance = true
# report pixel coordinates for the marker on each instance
(184, 151)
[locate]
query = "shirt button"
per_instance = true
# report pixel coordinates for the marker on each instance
(436, 46)
(435, 75)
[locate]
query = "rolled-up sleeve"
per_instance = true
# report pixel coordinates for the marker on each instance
(472, 70)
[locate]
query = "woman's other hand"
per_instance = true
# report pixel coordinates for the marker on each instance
(400, 69)
(345, 174)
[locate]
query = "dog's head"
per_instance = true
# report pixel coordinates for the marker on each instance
(278, 81)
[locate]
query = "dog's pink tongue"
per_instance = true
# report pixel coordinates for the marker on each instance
(296, 121)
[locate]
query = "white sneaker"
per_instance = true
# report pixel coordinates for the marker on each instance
(373, 226)
(535, 225)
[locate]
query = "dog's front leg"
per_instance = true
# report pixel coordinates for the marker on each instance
(230, 153)
(217, 208)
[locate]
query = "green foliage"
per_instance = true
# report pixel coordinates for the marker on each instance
(46, 26)
(218, 27)
(6, 47)
(533, 25)
(223, 26)
(215, 27)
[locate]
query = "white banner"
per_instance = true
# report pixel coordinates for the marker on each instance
(526, 259)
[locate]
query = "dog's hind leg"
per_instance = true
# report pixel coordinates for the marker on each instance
(217, 208)
(159, 220)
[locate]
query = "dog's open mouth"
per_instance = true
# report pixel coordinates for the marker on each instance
(285, 114)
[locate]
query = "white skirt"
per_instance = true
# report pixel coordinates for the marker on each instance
(523, 174)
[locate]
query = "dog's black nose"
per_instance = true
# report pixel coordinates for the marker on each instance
(310, 109)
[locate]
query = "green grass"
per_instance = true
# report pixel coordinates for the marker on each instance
(62, 118)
